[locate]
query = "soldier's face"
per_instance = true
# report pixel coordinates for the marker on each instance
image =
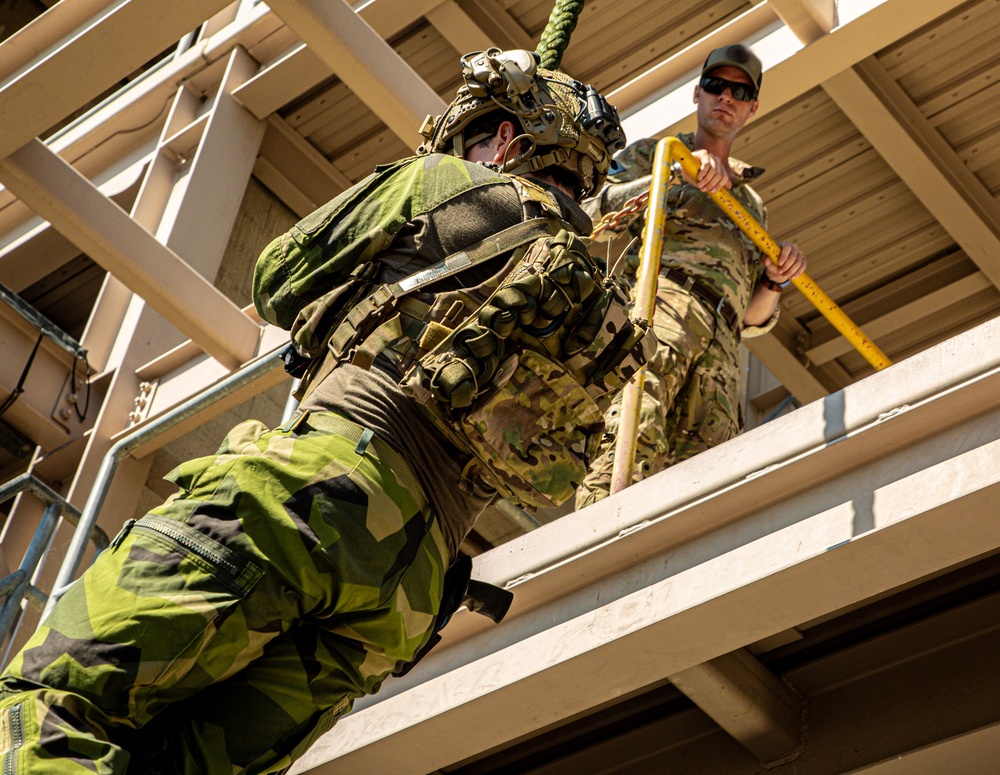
(722, 115)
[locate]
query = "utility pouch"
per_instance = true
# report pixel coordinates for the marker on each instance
(607, 346)
(517, 384)
(535, 434)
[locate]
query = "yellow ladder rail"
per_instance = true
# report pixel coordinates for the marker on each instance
(677, 151)
(668, 151)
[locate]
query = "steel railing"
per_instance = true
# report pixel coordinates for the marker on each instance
(17, 587)
(128, 444)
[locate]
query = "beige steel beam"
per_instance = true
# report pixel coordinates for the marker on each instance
(78, 68)
(185, 195)
(106, 333)
(110, 237)
(368, 65)
(279, 82)
(905, 315)
(31, 256)
(457, 27)
(190, 194)
(390, 17)
(810, 20)
(922, 159)
(216, 173)
(778, 352)
(128, 126)
(292, 168)
(218, 147)
(23, 46)
(747, 700)
(299, 70)
(30, 253)
(872, 489)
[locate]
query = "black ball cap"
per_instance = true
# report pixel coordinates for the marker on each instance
(739, 56)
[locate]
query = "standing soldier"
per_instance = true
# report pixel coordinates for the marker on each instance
(715, 286)
(456, 341)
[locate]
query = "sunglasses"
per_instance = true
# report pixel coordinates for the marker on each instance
(743, 92)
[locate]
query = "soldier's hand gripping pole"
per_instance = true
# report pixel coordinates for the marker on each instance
(645, 304)
(739, 215)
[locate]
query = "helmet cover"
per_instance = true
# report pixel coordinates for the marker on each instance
(567, 124)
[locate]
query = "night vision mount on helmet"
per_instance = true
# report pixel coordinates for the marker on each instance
(567, 124)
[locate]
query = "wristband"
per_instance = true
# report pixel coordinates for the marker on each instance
(770, 284)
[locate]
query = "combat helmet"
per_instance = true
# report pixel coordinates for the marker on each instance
(566, 124)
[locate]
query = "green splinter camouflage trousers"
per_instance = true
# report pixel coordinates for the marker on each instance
(690, 401)
(229, 628)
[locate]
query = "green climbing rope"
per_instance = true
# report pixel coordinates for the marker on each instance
(555, 36)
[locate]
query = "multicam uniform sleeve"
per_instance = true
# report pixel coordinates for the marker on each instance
(749, 332)
(757, 208)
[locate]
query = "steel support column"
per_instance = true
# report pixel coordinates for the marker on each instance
(189, 202)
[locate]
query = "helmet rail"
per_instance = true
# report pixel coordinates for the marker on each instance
(568, 124)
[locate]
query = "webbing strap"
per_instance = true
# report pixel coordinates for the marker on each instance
(376, 342)
(372, 309)
(496, 244)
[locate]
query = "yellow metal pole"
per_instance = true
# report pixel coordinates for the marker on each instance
(645, 304)
(678, 152)
(669, 150)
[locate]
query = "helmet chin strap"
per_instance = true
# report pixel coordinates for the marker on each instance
(520, 165)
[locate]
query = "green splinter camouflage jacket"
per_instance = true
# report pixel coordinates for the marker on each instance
(698, 238)
(402, 216)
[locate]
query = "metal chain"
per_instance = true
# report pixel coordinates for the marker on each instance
(616, 222)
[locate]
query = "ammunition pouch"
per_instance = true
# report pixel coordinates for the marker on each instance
(522, 383)
(402, 321)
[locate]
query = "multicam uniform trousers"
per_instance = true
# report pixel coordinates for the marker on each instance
(229, 628)
(691, 394)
